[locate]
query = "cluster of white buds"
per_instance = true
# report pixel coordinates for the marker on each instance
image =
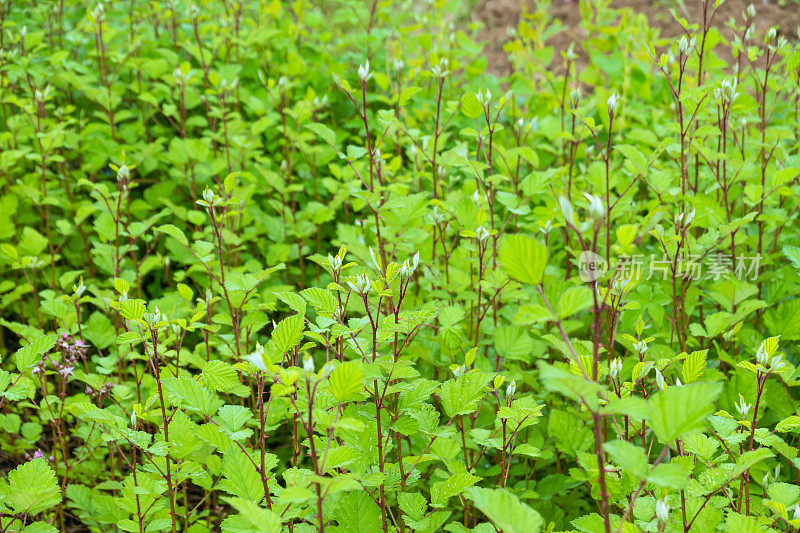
(79, 289)
(398, 64)
(361, 285)
(685, 219)
(612, 102)
(228, 84)
(377, 159)
(319, 103)
(98, 13)
(640, 347)
(335, 262)
(35, 263)
(192, 12)
(409, 266)
(41, 95)
(548, 226)
(575, 96)
(765, 357)
(596, 208)
(485, 98)
(123, 173)
(181, 77)
(511, 388)
(749, 13)
(24, 31)
(615, 368)
(570, 53)
(742, 407)
(440, 70)
(621, 284)
(210, 197)
(481, 233)
(477, 198)
(686, 45)
(662, 510)
(435, 215)
(154, 318)
(727, 92)
(363, 72)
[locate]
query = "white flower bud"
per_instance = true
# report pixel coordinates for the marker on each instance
(615, 368)
(596, 208)
(511, 388)
(662, 510)
(308, 365)
(363, 71)
(612, 103)
(742, 407)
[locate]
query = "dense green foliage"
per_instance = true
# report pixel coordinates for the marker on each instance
(293, 266)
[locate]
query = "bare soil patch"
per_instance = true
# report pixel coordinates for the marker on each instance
(499, 15)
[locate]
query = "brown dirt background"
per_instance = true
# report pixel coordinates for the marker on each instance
(499, 15)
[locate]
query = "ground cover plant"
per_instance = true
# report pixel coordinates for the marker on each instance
(293, 266)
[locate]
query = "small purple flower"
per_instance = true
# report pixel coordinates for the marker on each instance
(38, 454)
(80, 344)
(66, 371)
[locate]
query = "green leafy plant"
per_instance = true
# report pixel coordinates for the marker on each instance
(297, 266)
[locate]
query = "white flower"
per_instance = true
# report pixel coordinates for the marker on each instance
(596, 208)
(640, 347)
(511, 388)
(435, 216)
(308, 365)
(98, 13)
(662, 510)
(615, 368)
(440, 70)
(685, 45)
(362, 284)
(612, 102)
(481, 233)
(363, 71)
(762, 357)
(209, 196)
(771, 34)
(575, 95)
(409, 266)
(742, 407)
(398, 64)
(79, 289)
(484, 98)
(335, 262)
(571, 52)
(124, 173)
